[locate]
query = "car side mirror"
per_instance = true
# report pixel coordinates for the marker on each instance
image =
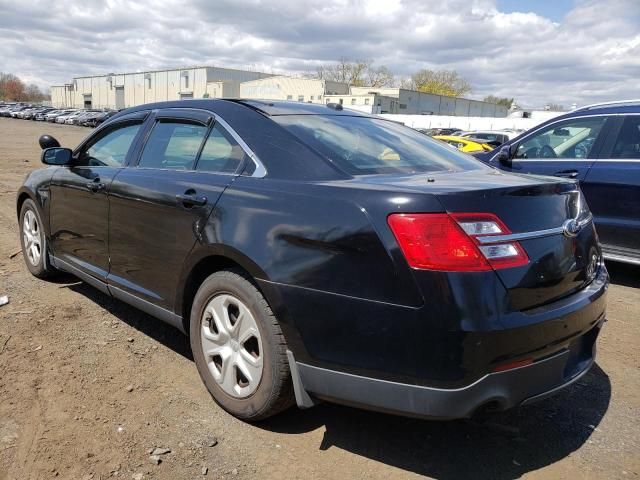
(47, 141)
(57, 156)
(504, 156)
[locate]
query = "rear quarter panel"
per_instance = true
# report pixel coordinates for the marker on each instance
(304, 241)
(313, 235)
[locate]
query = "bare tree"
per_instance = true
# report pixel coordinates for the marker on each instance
(358, 73)
(379, 77)
(504, 101)
(407, 83)
(34, 94)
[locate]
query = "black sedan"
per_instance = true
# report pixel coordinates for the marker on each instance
(312, 253)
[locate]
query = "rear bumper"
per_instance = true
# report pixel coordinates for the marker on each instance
(500, 390)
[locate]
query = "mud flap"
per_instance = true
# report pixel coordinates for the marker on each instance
(303, 399)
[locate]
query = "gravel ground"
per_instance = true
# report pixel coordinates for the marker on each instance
(89, 386)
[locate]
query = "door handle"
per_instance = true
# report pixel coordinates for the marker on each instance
(189, 199)
(96, 185)
(567, 173)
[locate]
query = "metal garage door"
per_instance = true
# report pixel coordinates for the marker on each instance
(119, 98)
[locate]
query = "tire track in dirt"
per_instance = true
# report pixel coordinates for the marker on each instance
(27, 449)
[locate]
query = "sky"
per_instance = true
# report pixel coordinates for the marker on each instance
(537, 51)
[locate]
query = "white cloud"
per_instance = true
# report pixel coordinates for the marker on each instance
(593, 54)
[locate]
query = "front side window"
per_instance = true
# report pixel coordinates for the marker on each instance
(172, 145)
(111, 149)
(221, 153)
(628, 142)
(363, 145)
(569, 139)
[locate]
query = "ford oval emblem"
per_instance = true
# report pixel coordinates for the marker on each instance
(571, 228)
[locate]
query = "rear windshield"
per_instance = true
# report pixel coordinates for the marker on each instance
(365, 146)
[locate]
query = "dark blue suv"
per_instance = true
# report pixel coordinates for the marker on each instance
(599, 146)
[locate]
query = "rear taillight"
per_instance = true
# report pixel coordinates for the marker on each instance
(450, 242)
(512, 365)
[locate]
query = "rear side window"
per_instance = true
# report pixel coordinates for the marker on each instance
(221, 153)
(365, 146)
(628, 141)
(172, 145)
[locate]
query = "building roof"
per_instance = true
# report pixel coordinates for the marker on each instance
(174, 69)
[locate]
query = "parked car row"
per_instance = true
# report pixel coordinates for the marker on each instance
(492, 137)
(466, 144)
(472, 141)
(69, 116)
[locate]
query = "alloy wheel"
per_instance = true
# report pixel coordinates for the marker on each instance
(31, 236)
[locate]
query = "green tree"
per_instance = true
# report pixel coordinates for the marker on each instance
(439, 82)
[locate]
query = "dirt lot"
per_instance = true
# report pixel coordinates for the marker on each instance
(89, 385)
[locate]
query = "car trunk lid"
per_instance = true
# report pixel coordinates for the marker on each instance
(540, 213)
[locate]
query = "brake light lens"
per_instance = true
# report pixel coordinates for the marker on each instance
(450, 242)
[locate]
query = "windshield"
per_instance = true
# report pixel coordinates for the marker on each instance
(364, 146)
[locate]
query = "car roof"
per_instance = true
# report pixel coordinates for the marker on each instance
(590, 111)
(266, 107)
(605, 109)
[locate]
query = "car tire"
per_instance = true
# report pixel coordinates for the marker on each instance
(239, 348)
(34, 241)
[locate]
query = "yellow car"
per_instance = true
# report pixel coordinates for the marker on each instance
(465, 144)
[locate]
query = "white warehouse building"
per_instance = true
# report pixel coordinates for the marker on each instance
(130, 89)
(288, 88)
(410, 102)
(366, 99)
